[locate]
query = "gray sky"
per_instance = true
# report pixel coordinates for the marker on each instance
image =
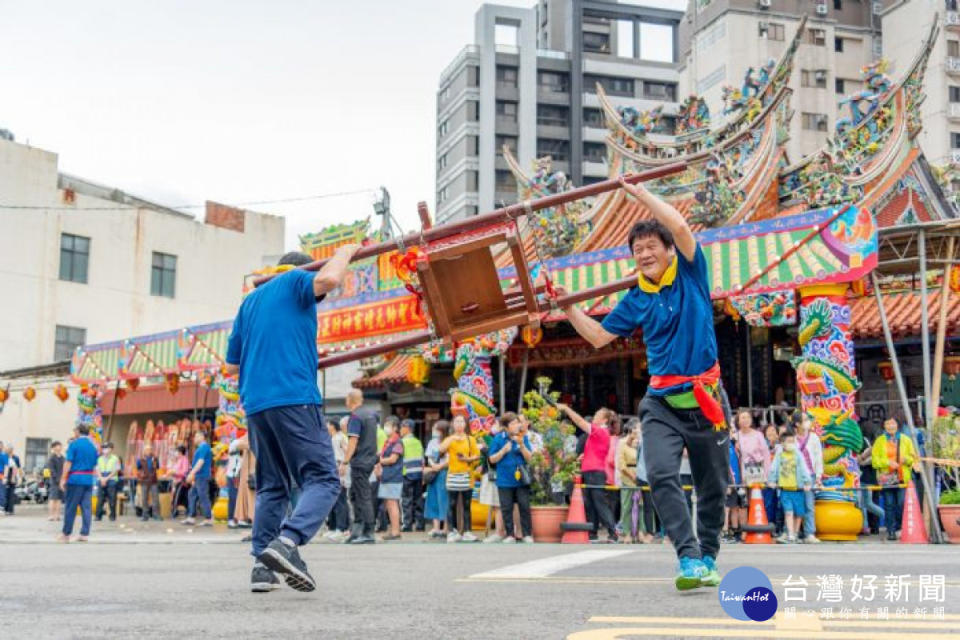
(238, 100)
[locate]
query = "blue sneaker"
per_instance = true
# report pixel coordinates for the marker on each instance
(712, 577)
(690, 574)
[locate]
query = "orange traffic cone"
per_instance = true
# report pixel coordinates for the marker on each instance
(912, 528)
(757, 528)
(576, 530)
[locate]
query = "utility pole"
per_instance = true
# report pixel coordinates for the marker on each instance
(382, 208)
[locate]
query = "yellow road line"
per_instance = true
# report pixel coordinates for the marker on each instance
(615, 633)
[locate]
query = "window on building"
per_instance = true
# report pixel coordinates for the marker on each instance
(838, 45)
(553, 115)
(472, 180)
(445, 94)
(953, 48)
(505, 180)
(443, 129)
(593, 118)
(473, 145)
(506, 77)
(36, 454)
(163, 275)
(816, 78)
(657, 42)
(553, 81)
(838, 86)
(817, 37)
(838, 5)
(814, 121)
(954, 94)
(625, 31)
(473, 111)
(954, 140)
(441, 163)
(770, 30)
(613, 86)
(471, 210)
(596, 42)
(665, 91)
(559, 150)
(507, 110)
(507, 34)
(442, 195)
(66, 340)
(594, 152)
(508, 141)
(74, 257)
(473, 76)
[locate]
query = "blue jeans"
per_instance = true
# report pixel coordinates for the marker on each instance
(892, 508)
(199, 492)
(809, 524)
(231, 498)
(77, 496)
(292, 446)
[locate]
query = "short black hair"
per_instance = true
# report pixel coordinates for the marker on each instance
(83, 429)
(56, 443)
(789, 433)
(647, 228)
(182, 449)
(296, 258)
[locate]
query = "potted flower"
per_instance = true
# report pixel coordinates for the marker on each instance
(945, 441)
(552, 467)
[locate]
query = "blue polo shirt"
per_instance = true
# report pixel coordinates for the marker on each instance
(677, 322)
(204, 453)
(82, 456)
(274, 341)
(507, 467)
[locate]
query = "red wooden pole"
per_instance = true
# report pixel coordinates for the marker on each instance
(503, 214)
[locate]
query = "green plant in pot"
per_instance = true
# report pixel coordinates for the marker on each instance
(553, 467)
(945, 444)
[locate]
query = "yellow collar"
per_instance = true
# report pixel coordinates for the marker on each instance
(665, 280)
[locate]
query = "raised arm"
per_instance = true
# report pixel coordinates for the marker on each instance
(334, 271)
(666, 215)
(575, 417)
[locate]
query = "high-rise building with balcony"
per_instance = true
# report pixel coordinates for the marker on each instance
(529, 81)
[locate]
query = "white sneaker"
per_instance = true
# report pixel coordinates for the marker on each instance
(812, 540)
(509, 540)
(453, 536)
(469, 537)
(492, 538)
(528, 539)
(332, 536)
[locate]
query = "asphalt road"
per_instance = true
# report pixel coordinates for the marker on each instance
(148, 582)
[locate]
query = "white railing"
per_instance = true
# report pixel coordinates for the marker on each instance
(550, 53)
(507, 48)
(954, 110)
(952, 64)
(470, 49)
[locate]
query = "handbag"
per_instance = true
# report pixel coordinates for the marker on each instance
(429, 475)
(892, 477)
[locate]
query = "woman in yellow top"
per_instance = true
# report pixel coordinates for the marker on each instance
(463, 451)
(893, 457)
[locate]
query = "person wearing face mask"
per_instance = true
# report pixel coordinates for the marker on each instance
(390, 471)
(593, 468)
(682, 407)
(894, 457)
(511, 452)
(790, 475)
(435, 477)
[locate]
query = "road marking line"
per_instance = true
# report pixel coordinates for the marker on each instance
(783, 622)
(617, 633)
(488, 577)
(554, 564)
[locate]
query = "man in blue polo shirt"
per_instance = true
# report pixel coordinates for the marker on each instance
(681, 409)
(77, 481)
(274, 347)
(199, 481)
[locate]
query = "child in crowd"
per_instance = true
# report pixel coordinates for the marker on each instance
(789, 473)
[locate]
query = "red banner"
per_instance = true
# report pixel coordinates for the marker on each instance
(374, 319)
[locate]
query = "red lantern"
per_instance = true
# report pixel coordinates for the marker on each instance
(132, 383)
(173, 382)
(29, 393)
(61, 392)
(121, 393)
(886, 370)
(955, 279)
(951, 366)
(531, 336)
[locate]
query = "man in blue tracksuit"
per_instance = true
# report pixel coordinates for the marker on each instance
(274, 347)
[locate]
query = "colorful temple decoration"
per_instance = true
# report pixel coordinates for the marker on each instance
(324, 243)
(89, 412)
(773, 309)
